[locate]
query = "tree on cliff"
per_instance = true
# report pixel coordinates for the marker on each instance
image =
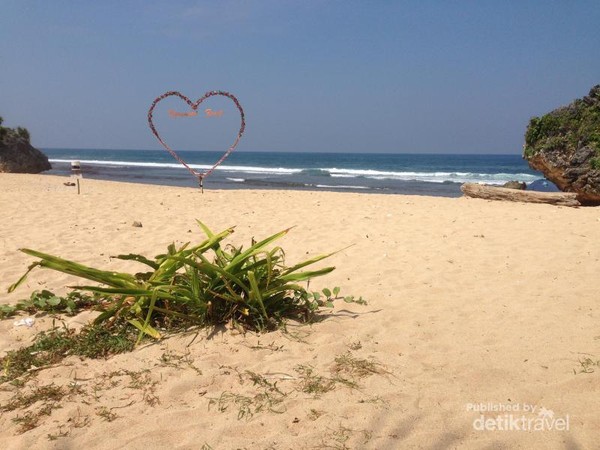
(565, 145)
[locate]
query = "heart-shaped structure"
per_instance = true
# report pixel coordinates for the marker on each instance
(194, 105)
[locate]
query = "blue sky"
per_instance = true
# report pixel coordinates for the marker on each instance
(319, 76)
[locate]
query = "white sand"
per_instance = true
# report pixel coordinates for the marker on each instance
(470, 301)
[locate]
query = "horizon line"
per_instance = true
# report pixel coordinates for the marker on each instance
(291, 152)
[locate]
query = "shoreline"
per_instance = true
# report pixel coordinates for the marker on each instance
(436, 175)
(180, 178)
(470, 302)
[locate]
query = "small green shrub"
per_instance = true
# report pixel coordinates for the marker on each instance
(47, 302)
(206, 284)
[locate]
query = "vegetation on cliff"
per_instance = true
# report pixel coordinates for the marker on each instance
(10, 135)
(568, 128)
(565, 146)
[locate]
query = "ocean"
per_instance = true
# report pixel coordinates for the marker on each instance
(420, 174)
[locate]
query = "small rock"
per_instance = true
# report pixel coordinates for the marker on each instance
(136, 224)
(515, 185)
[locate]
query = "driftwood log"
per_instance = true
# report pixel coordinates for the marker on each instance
(514, 195)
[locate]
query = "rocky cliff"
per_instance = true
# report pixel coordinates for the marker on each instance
(17, 155)
(565, 146)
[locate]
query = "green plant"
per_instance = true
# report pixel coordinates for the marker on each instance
(61, 433)
(48, 396)
(248, 406)
(346, 371)
(312, 383)
(53, 346)
(348, 364)
(106, 413)
(329, 296)
(267, 396)
(48, 302)
(206, 284)
(48, 393)
(142, 380)
(178, 361)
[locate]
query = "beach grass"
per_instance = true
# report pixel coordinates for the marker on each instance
(205, 284)
(251, 289)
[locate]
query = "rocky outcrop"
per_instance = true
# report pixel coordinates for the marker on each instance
(17, 155)
(565, 146)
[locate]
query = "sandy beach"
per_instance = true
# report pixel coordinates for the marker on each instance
(472, 305)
